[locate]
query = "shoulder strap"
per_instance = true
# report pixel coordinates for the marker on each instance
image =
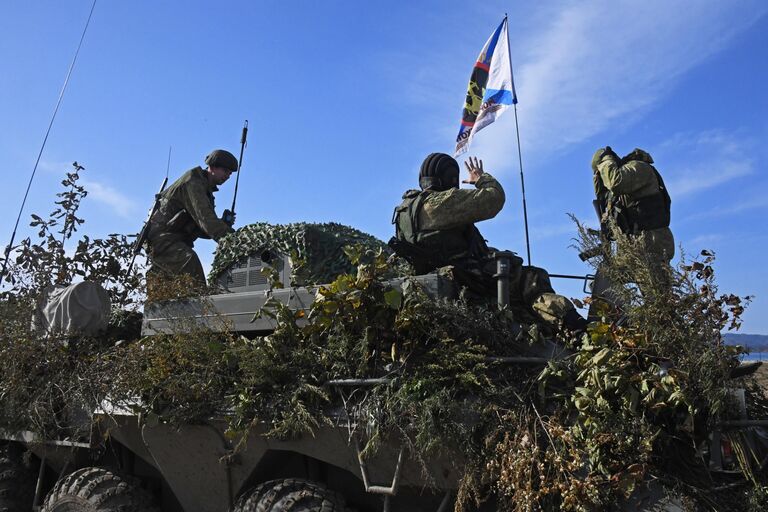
(406, 215)
(415, 209)
(662, 187)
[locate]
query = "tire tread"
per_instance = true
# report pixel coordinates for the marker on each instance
(104, 490)
(290, 495)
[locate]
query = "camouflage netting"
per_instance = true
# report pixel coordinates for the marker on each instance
(316, 250)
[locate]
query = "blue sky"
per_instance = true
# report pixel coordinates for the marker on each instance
(345, 99)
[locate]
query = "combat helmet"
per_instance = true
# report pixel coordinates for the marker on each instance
(439, 172)
(637, 154)
(221, 158)
(599, 154)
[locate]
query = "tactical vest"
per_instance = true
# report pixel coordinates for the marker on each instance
(172, 218)
(463, 246)
(636, 214)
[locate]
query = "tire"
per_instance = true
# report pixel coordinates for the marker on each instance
(17, 481)
(290, 495)
(652, 497)
(92, 489)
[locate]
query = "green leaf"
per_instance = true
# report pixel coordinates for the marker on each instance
(393, 298)
(582, 403)
(354, 253)
(330, 306)
(601, 357)
(584, 391)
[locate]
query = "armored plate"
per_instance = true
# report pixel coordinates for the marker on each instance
(237, 312)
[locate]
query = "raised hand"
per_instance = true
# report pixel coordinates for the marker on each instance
(474, 169)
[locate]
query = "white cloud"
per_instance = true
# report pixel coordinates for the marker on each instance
(55, 167)
(121, 204)
(553, 230)
(703, 240)
(700, 161)
(602, 64)
(708, 175)
(742, 206)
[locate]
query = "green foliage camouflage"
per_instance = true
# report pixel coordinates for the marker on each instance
(630, 401)
(316, 250)
(53, 257)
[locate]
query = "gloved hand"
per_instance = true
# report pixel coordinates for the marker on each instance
(600, 154)
(228, 217)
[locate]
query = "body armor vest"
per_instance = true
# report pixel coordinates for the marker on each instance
(171, 217)
(463, 246)
(634, 215)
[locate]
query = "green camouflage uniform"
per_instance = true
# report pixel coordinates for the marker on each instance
(634, 195)
(458, 207)
(629, 182)
(442, 224)
(186, 213)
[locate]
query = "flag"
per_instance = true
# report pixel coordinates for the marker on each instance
(491, 88)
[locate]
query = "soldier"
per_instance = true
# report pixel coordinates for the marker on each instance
(632, 197)
(435, 227)
(186, 213)
(631, 192)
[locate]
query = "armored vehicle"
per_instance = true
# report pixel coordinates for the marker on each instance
(132, 462)
(129, 463)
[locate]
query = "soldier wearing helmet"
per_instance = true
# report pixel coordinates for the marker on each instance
(631, 192)
(631, 198)
(435, 227)
(186, 213)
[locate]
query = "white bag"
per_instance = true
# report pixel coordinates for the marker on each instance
(78, 309)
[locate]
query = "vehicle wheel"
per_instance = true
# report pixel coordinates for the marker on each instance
(290, 495)
(652, 497)
(17, 481)
(92, 489)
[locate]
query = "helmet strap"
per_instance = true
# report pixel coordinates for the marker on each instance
(433, 182)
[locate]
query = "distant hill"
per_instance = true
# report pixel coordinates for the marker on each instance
(753, 342)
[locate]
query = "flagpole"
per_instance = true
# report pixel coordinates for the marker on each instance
(519, 153)
(522, 187)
